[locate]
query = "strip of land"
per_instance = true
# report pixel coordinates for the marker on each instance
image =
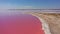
(52, 19)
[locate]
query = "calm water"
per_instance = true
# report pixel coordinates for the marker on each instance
(20, 24)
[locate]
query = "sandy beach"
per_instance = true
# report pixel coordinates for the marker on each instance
(52, 20)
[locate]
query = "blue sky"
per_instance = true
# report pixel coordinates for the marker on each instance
(29, 4)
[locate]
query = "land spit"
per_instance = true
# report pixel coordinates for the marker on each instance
(52, 20)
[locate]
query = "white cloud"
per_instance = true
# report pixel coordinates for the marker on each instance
(10, 6)
(7, 6)
(25, 7)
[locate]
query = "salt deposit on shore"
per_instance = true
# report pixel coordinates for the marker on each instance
(45, 26)
(52, 20)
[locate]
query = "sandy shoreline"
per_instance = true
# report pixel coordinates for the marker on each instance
(53, 21)
(45, 26)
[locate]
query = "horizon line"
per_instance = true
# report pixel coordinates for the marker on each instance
(33, 9)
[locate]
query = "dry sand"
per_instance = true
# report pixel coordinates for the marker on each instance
(52, 19)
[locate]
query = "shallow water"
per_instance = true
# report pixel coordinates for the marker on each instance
(12, 23)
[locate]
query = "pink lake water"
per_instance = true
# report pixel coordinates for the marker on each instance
(20, 24)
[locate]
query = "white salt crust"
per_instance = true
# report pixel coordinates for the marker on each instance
(45, 26)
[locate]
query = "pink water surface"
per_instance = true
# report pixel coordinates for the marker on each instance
(20, 24)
